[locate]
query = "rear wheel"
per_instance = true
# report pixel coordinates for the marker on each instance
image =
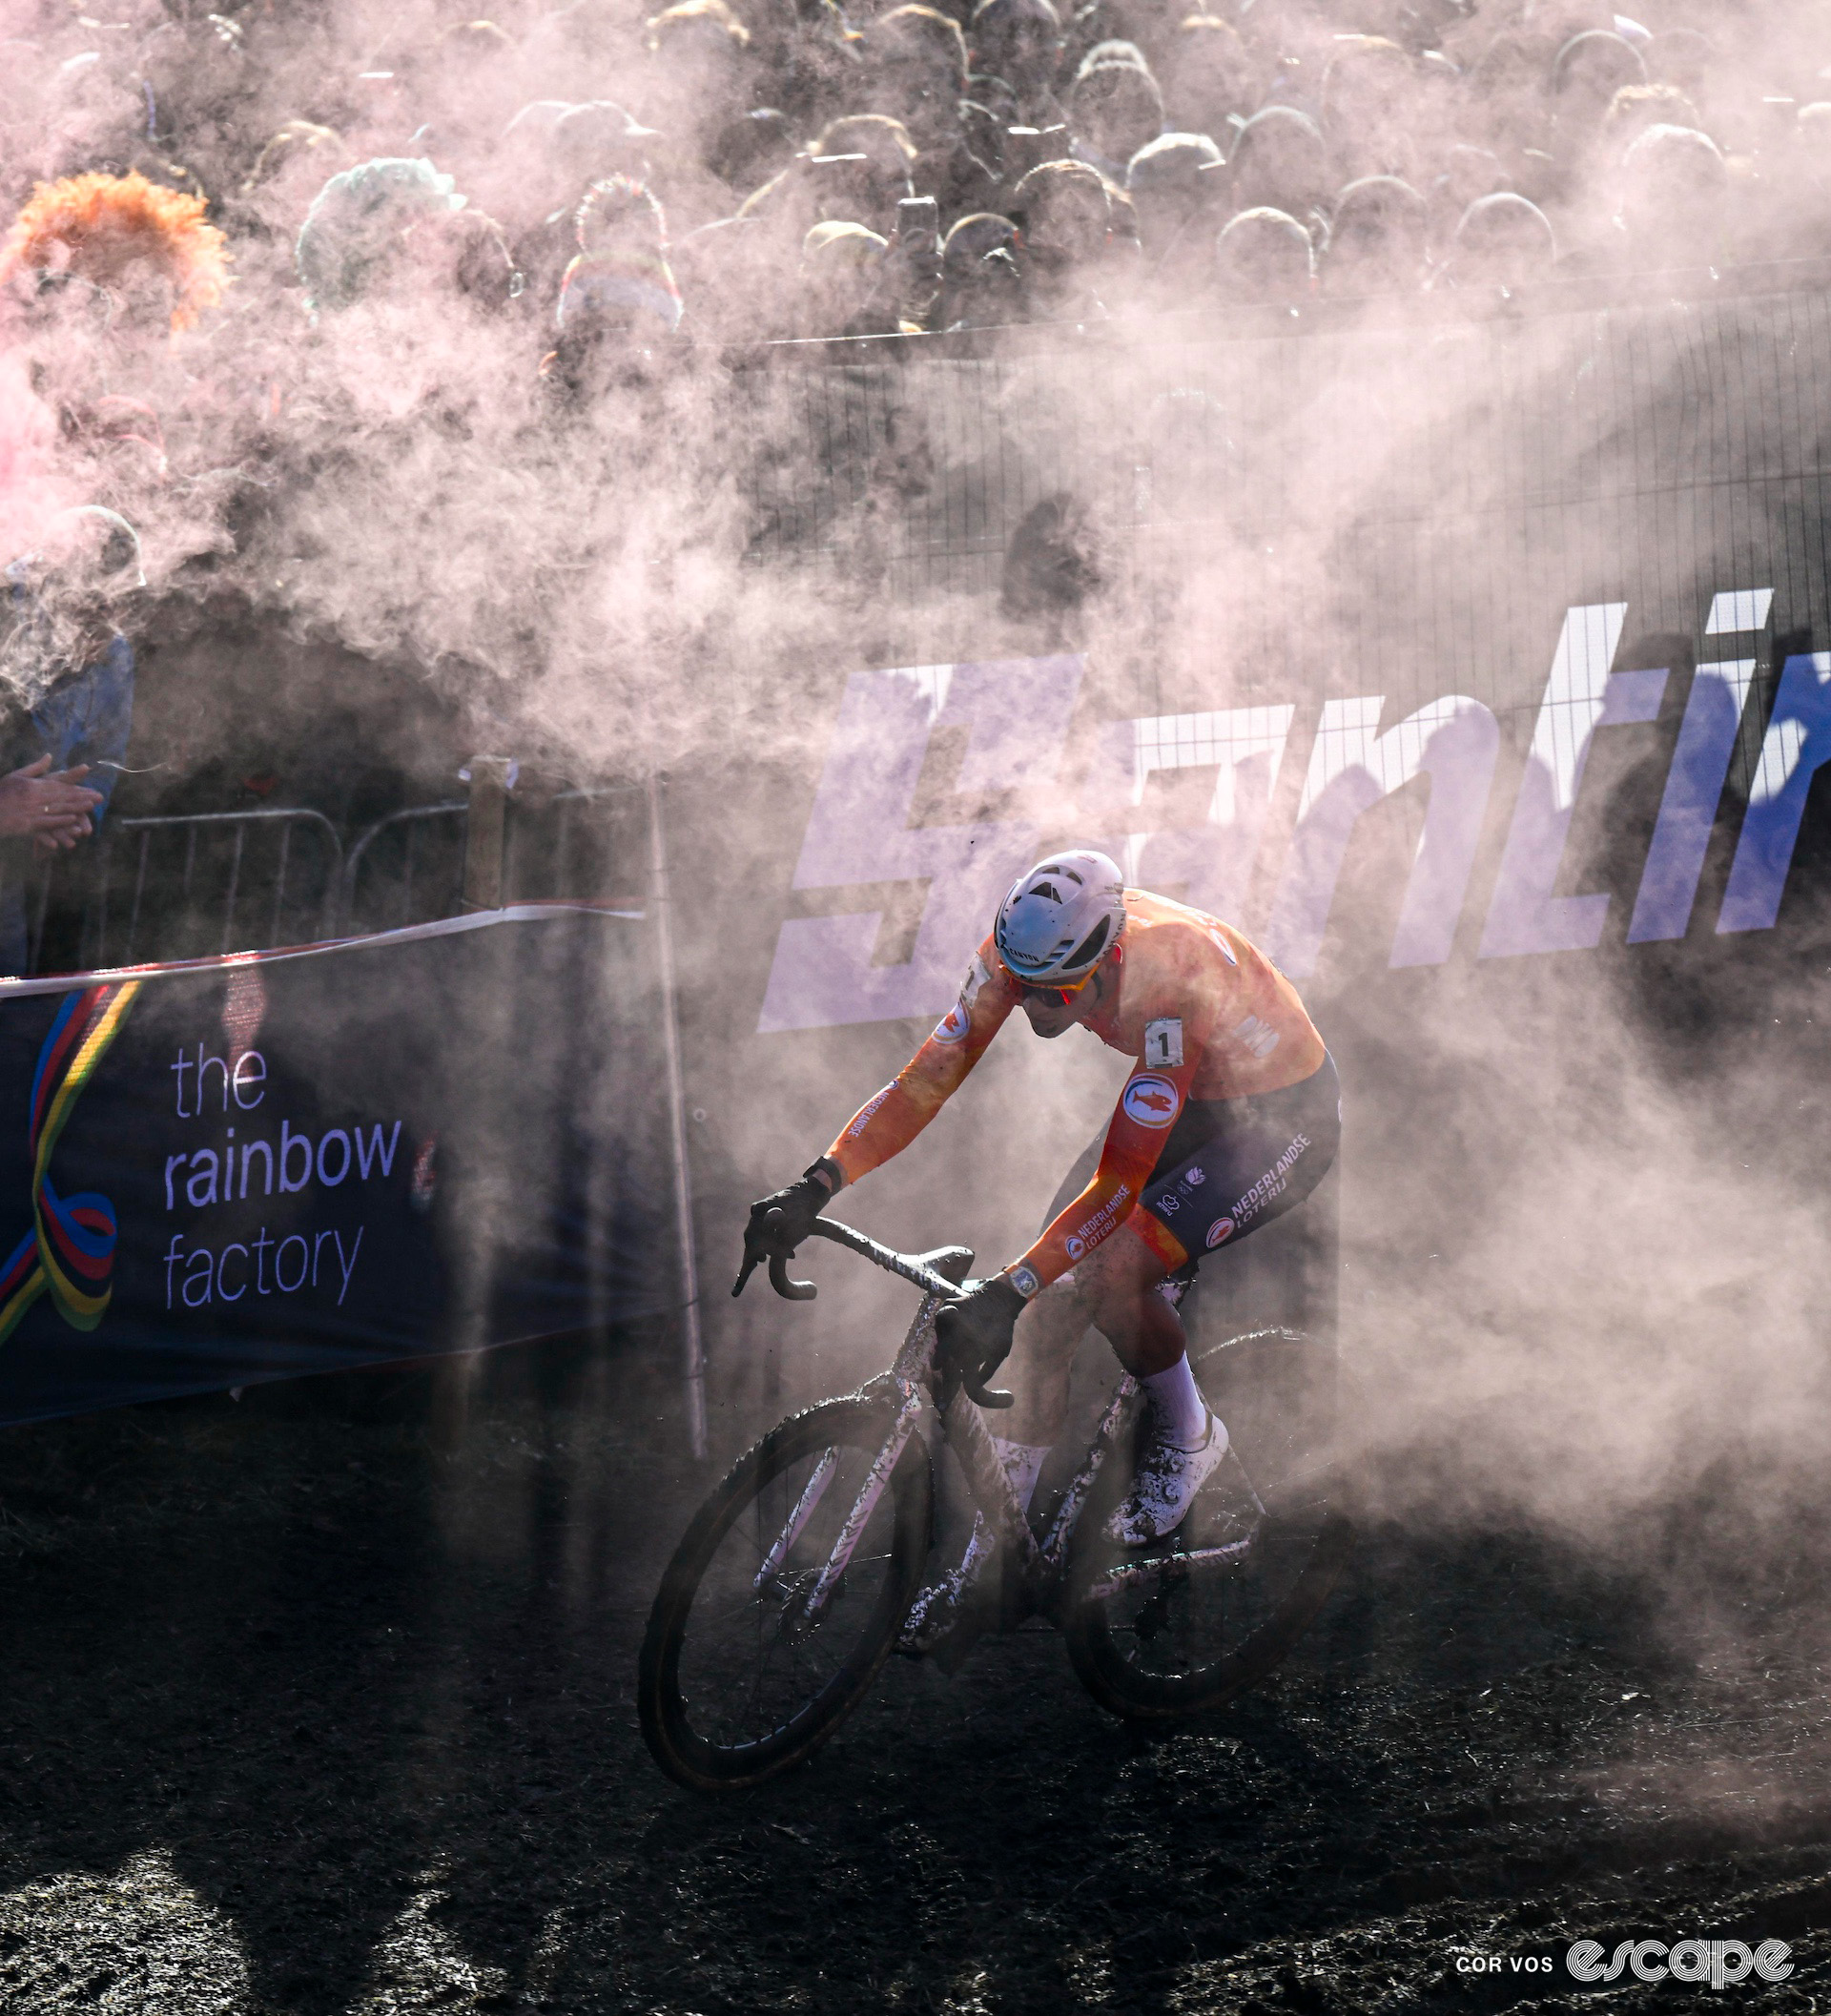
(740, 1678)
(1193, 1621)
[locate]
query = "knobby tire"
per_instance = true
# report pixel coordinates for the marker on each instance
(1099, 1653)
(684, 1751)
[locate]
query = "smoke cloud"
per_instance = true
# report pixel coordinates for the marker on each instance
(518, 391)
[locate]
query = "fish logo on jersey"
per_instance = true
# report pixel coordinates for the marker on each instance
(1150, 1101)
(1220, 1231)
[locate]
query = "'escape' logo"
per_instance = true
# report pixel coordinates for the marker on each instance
(1720, 1962)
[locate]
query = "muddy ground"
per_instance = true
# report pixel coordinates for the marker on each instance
(301, 1712)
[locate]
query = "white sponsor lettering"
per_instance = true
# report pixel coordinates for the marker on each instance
(1271, 1182)
(863, 1118)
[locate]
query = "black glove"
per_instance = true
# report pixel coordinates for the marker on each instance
(974, 1335)
(780, 1222)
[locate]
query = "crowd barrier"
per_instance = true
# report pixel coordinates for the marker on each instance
(402, 1145)
(532, 1180)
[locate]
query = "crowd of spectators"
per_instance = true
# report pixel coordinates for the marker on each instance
(333, 262)
(743, 170)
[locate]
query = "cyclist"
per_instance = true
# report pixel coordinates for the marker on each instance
(1229, 1118)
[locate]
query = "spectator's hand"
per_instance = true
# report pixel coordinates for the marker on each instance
(53, 806)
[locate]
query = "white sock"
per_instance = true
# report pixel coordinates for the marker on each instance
(1179, 1404)
(1022, 1463)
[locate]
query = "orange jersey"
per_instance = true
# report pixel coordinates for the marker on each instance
(1201, 1010)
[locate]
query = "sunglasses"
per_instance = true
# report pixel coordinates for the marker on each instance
(1064, 995)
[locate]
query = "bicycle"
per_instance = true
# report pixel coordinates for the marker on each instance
(788, 1590)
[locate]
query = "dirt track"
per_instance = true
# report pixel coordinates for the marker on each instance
(302, 1715)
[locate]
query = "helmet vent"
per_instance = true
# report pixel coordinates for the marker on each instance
(1090, 947)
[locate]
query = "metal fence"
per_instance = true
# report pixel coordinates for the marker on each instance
(203, 884)
(1341, 502)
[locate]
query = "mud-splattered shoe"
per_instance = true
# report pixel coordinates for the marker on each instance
(945, 1603)
(1168, 1478)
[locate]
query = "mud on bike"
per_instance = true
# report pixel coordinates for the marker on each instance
(789, 1589)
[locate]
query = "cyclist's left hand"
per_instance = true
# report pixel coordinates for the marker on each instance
(975, 1334)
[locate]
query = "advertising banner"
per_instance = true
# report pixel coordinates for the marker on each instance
(244, 1169)
(1477, 671)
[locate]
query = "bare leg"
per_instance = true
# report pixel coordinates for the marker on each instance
(1043, 1354)
(1112, 1290)
(1116, 1284)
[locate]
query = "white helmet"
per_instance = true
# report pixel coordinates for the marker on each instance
(1061, 918)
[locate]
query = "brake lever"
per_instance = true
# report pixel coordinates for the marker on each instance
(780, 1280)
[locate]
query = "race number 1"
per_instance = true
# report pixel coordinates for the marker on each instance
(1164, 1044)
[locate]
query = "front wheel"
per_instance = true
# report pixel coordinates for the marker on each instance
(748, 1666)
(1193, 1621)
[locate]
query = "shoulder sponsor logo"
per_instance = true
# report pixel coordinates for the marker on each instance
(1168, 1206)
(1074, 1247)
(1164, 1044)
(1260, 1037)
(952, 1026)
(1221, 1230)
(1151, 1101)
(1193, 1178)
(978, 976)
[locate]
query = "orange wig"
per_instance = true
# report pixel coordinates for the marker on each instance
(97, 226)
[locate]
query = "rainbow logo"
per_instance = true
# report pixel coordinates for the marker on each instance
(70, 1250)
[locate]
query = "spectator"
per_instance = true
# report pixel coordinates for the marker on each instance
(1064, 217)
(1114, 108)
(1263, 255)
(1020, 41)
(1281, 163)
(1369, 109)
(978, 273)
(356, 224)
(1378, 242)
(1212, 82)
(843, 274)
(1674, 194)
(1502, 241)
(1635, 107)
(1169, 181)
(916, 70)
(67, 669)
(149, 249)
(1052, 567)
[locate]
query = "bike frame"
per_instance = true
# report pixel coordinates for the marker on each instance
(1042, 1565)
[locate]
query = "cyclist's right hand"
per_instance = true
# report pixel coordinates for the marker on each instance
(781, 1220)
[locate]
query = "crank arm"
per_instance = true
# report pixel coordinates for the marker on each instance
(1142, 1577)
